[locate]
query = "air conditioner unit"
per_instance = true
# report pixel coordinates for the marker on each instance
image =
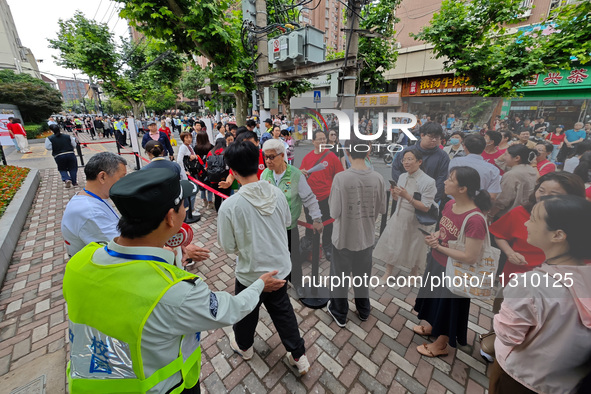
(526, 14)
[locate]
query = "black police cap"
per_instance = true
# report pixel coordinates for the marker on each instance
(151, 191)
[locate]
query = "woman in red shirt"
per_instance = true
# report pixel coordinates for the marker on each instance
(510, 232)
(556, 138)
(164, 129)
(20, 135)
(447, 314)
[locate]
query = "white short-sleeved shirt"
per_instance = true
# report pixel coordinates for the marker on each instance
(86, 220)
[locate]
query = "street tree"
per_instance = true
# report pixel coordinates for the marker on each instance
(474, 39)
(35, 99)
(130, 72)
(378, 54)
(210, 28)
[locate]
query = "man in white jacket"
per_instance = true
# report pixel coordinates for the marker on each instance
(251, 224)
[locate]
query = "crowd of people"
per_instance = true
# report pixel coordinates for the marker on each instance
(497, 186)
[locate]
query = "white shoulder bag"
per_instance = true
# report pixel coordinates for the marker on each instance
(473, 280)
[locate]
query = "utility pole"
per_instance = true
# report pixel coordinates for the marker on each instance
(263, 59)
(349, 78)
(79, 95)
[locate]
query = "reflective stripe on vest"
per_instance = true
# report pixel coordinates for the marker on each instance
(117, 300)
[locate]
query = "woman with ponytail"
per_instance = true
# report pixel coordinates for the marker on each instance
(62, 149)
(517, 184)
(445, 313)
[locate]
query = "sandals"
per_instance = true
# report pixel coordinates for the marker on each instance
(424, 350)
(421, 330)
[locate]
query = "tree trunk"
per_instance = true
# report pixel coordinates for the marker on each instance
(287, 108)
(241, 108)
(136, 108)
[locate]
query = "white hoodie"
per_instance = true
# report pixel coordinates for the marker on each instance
(544, 329)
(252, 224)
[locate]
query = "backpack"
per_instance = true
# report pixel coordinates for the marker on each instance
(196, 167)
(216, 168)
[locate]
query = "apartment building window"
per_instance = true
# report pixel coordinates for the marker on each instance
(527, 6)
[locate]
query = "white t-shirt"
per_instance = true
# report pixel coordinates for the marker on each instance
(571, 164)
(86, 220)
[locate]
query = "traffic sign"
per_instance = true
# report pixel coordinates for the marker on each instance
(317, 96)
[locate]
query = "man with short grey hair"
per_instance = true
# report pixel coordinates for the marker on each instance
(89, 217)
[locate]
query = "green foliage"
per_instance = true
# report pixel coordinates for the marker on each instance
(473, 38)
(35, 130)
(160, 101)
(130, 72)
(210, 28)
(378, 54)
(191, 81)
(331, 54)
(116, 106)
(35, 99)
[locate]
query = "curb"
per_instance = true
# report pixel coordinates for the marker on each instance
(14, 217)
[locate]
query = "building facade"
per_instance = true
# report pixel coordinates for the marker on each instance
(327, 16)
(74, 90)
(426, 88)
(13, 55)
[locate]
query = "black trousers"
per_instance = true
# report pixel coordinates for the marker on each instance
(344, 263)
(327, 231)
(284, 319)
(217, 199)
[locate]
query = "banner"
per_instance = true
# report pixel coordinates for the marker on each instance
(5, 139)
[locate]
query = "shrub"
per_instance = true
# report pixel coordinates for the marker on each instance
(11, 178)
(35, 129)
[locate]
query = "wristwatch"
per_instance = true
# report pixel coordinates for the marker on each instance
(319, 220)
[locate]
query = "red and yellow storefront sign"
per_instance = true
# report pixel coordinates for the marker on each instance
(437, 86)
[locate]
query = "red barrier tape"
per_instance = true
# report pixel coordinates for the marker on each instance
(98, 142)
(207, 187)
(309, 226)
(217, 193)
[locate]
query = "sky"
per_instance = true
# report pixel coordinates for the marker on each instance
(37, 21)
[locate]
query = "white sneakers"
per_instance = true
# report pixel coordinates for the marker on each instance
(301, 364)
(245, 354)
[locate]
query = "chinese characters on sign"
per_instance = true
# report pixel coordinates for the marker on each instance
(577, 77)
(439, 85)
(378, 100)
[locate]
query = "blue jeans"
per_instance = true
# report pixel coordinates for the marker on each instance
(555, 153)
(205, 192)
(67, 167)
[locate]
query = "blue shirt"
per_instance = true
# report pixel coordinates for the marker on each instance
(490, 176)
(572, 136)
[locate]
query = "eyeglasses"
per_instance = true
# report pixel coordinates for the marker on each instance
(272, 157)
(333, 135)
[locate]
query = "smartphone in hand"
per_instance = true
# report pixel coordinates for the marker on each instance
(392, 184)
(424, 231)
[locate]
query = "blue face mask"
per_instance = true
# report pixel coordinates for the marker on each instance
(454, 141)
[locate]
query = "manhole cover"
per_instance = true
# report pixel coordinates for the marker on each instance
(36, 386)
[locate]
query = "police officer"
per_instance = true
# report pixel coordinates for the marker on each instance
(134, 318)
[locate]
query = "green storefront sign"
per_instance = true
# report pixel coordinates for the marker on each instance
(561, 82)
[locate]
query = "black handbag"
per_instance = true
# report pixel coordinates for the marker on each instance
(426, 218)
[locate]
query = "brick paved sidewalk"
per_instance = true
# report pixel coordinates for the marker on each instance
(377, 355)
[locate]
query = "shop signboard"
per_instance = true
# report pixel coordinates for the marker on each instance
(578, 77)
(377, 100)
(439, 85)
